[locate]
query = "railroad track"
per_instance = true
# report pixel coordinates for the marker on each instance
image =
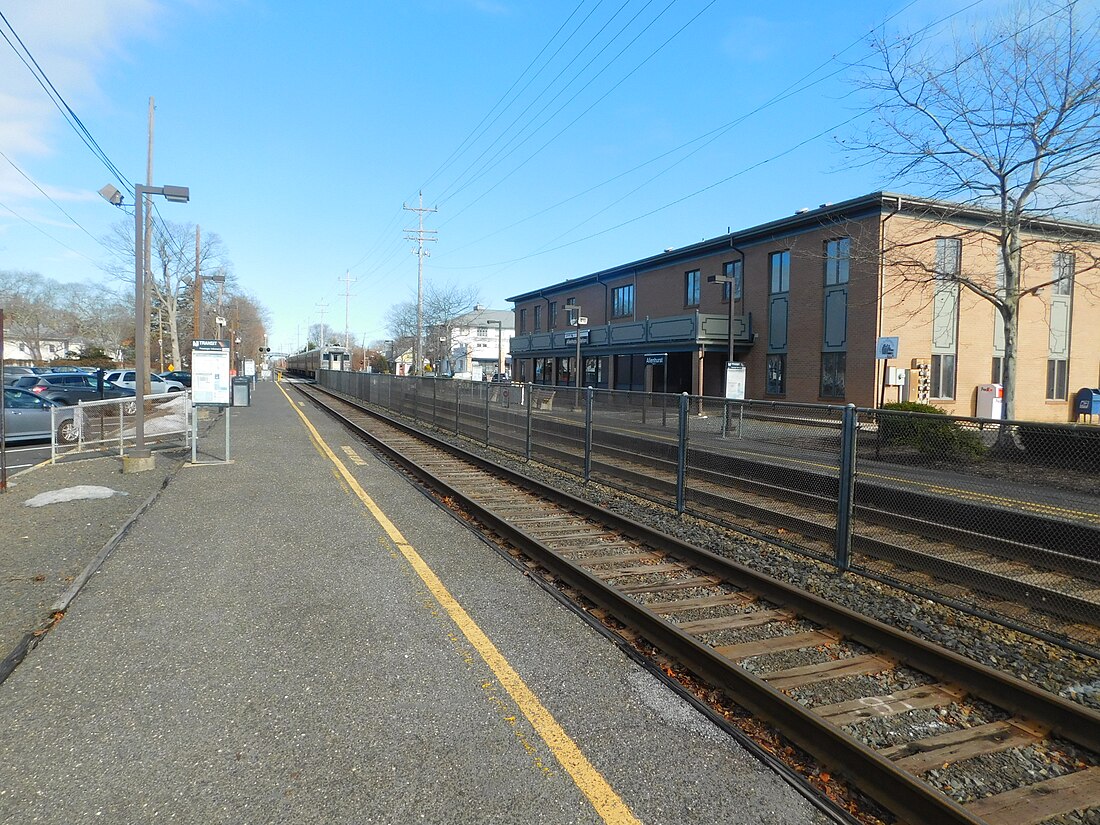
(952, 539)
(919, 729)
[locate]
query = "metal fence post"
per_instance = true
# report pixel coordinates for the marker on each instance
(527, 441)
(845, 502)
(588, 395)
(681, 455)
(488, 395)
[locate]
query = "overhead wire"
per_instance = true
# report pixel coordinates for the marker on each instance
(544, 91)
(709, 137)
(59, 101)
(51, 200)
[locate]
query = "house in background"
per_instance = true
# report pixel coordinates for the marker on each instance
(476, 344)
(49, 347)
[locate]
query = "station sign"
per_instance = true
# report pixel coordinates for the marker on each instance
(656, 359)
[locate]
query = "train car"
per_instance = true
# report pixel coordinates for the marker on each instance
(309, 363)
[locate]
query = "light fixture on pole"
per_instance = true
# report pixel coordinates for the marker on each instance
(140, 458)
(577, 321)
(737, 270)
(500, 344)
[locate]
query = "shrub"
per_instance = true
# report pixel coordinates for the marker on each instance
(927, 429)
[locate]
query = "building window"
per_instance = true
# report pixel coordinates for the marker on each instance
(552, 315)
(691, 288)
(482, 332)
(779, 265)
(775, 383)
(833, 373)
(538, 318)
(622, 301)
(837, 258)
(998, 373)
(1057, 375)
(1063, 273)
(943, 376)
(522, 322)
(733, 270)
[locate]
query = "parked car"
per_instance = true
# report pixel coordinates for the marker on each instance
(27, 417)
(175, 375)
(71, 387)
(157, 385)
(501, 378)
(12, 372)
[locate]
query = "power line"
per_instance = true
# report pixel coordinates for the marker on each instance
(59, 101)
(37, 228)
(51, 200)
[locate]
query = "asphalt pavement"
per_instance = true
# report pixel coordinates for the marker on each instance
(302, 636)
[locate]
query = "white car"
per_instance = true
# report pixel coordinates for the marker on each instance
(157, 385)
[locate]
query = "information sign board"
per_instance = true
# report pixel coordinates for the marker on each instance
(210, 379)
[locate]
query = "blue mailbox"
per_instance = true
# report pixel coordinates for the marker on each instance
(1088, 402)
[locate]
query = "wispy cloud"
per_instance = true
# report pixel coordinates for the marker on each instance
(71, 42)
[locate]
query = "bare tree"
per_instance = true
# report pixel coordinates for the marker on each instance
(32, 311)
(443, 303)
(171, 284)
(1009, 120)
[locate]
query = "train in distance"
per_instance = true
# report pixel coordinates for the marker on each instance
(307, 364)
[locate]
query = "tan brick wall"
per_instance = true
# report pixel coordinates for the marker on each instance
(907, 313)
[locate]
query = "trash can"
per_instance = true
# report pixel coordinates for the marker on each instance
(242, 392)
(1088, 402)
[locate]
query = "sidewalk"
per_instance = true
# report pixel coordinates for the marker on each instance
(262, 647)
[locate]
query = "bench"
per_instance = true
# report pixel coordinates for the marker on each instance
(542, 399)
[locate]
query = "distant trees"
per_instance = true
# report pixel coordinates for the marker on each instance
(39, 309)
(171, 281)
(442, 304)
(1009, 120)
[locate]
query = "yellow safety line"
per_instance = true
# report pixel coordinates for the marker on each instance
(589, 781)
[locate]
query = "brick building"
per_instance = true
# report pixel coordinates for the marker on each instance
(808, 297)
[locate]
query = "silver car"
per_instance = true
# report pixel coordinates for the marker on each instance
(27, 417)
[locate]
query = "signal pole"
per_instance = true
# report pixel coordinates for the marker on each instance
(420, 235)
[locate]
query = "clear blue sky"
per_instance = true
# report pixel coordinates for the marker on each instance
(302, 129)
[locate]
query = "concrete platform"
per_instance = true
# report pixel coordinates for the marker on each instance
(260, 647)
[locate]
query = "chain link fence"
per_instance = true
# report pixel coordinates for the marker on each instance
(1000, 516)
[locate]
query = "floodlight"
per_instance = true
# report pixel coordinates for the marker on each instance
(111, 195)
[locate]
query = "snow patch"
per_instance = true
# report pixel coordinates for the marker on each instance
(82, 491)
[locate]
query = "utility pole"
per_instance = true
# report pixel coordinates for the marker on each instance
(146, 315)
(348, 281)
(420, 235)
(196, 322)
(322, 307)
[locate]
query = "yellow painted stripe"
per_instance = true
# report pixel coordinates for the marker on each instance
(589, 781)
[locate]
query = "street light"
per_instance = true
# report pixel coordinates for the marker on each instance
(500, 344)
(140, 457)
(578, 321)
(730, 279)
